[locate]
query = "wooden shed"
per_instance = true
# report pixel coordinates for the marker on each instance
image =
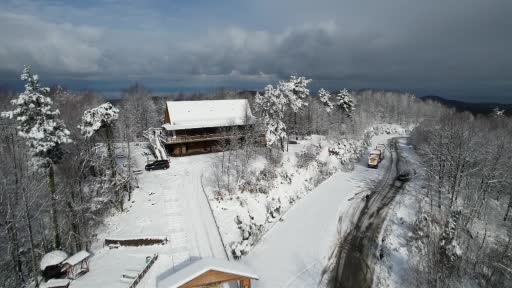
(76, 265)
(208, 272)
(51, 264)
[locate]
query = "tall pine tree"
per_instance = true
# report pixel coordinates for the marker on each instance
(38, 123)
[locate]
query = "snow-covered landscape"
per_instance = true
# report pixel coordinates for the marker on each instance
(172, 204)
(207, 195)
(265, 144)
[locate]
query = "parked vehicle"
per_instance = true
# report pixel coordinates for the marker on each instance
(373, 161)
(382, 148)
(157, 164)
(374, 158)
(405, 175)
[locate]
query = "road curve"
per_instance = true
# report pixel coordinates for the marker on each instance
(356, 257)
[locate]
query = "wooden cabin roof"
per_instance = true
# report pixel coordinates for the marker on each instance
(206, 271)
(207, 113)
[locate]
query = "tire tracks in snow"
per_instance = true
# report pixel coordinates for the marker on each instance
(358, 250)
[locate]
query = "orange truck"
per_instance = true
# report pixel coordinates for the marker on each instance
(375, 158)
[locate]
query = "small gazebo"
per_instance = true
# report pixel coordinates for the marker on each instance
(76, 265)
(208, 272)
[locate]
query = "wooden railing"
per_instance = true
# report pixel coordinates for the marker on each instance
(139, 277)
(195, 138)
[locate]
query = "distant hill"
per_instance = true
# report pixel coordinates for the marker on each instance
(475, 108)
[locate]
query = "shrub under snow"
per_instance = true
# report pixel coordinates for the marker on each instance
(273, 209)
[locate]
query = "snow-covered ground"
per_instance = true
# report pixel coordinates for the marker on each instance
(168, 203)
(245, 215)
(290, 184)
(297, 250)
(172, 203)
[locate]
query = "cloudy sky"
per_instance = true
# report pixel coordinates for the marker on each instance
(452, 48)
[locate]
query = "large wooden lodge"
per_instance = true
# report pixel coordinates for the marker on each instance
(200, 126)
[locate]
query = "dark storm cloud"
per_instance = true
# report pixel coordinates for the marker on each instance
(457, 48)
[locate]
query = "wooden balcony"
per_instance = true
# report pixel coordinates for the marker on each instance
(196, 138)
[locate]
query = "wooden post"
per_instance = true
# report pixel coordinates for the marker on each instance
(245, 283)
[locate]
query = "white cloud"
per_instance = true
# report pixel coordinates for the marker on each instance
(59, 48)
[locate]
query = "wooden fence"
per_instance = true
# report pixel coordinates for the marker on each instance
(139, 277)
(146, 241)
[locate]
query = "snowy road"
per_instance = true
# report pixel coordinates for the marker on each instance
(355, 263)
(298, 251)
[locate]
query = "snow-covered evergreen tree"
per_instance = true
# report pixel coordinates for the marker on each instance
(44, 132)
(295, 91)
(345, 102)
(325, 98)
(271, 107)
(38, 122)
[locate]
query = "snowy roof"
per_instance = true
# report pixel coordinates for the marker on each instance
(77, 258)
(375, 152)
(52, 258)
(202, 266)
(208, 113)
(52, 283)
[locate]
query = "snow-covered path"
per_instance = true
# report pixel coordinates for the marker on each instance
(295, 252)
(204, 238)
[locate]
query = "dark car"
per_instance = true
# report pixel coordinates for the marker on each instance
(406, 175)
(157, 164)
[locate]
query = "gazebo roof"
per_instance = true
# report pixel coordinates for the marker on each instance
(52, 258)
(77, 258)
